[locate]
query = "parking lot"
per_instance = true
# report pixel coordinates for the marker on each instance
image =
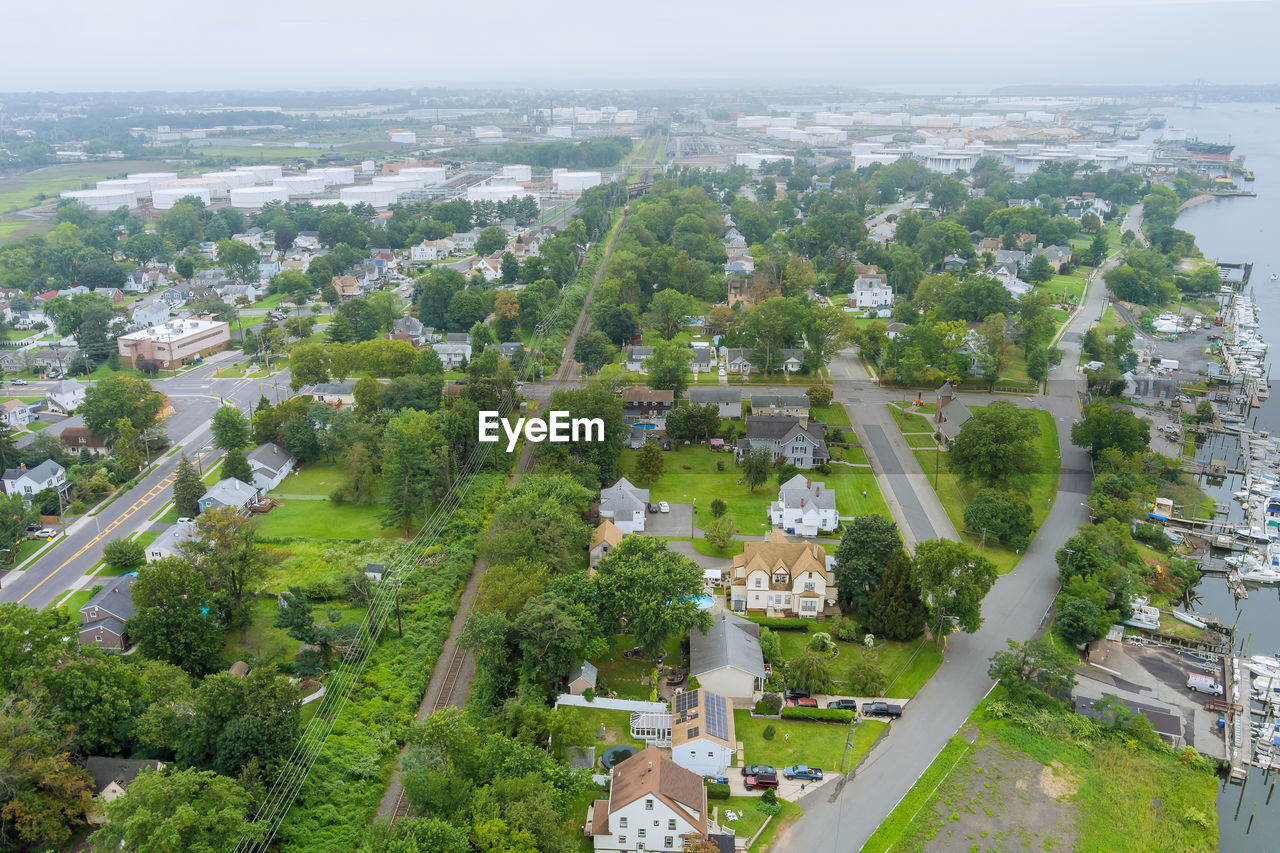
(677, 522)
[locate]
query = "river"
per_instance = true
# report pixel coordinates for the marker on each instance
(1244, 229)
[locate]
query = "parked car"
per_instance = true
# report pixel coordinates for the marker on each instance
(803, 702)
(763, 780)
(1204, 684)
(32, 528)
(796, 693)
(843, 705)
(186, 519)
(757, 769)
(664, 507)
(19, 382)
(881, 709)
(653, 508)
(44, 533)
(800, 771)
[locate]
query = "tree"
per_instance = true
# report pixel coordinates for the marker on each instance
(667, 311)
(771, 325)
(1001, 517)
(755, 467)
(718, 508)
(124, 555)
(236, 466)
(691, 422)
(820, 395)
(866, 679)
(415, 466)
(1038, 364)
(826, 331)
(997, 446)
(187, 489)
(668, 367)
(230, 428)
(1079, 620)
(44, 794)
(9, 455)
(368, 396)
(540, 515)
(896, 610)
(224, 552)
(240, 260)
(490, 240)
(810, 671)
(593, 350)
(1097, 251)
(1031, 666)
(185, 267)
(953, 579)
(720, 532)
(650, 590)
(1040, 270)
(117, 397)
(649, 463)
(169, 624)
(1104, 426)
(174, 809)
(15, 515)
(869, 541)
(510, 268)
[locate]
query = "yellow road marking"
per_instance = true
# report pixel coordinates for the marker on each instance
(124, 516)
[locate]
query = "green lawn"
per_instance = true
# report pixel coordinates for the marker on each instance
(265, 643)
(733, 549)
(891, 829)
(36, 426)
(750, 818)
(626, 676)
(146, 537)
(906, 665)
(802, 742)
(27, 547)
(790, 814)
(833, 415)
(955, 496)
(306, 519)
(79, 599)
(315, 479)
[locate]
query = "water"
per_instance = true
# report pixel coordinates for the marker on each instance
(1243, 229)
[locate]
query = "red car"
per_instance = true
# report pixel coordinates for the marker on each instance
(806, 702)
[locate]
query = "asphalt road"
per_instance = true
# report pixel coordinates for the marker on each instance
(916, 518)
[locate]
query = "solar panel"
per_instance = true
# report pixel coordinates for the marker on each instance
(686, 700)
(716, 717)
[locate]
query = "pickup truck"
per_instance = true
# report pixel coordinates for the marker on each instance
(764, 780)
(881, 709)
(804, 702)
(800, 771)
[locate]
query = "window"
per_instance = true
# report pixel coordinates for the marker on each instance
(780, 578)
(809, 604)
(640, 832)
(622, 823)
(808, 586)
(710, 754)
(622, 840)
(671, 824)
(98, 639)
(666, 842)
(759, 583)
(648, 805)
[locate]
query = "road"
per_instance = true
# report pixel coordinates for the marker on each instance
(1015, 607)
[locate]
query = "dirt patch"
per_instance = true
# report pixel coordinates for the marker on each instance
(1058, 782)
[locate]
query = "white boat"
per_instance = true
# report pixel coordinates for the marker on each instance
(1189, 619)
(1260, 574)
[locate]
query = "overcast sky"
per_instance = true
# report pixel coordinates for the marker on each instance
(942, 45)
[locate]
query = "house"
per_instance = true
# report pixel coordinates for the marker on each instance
(740, 264)
(15, 414)
(604, 539)
(230, 492)
(78, 438)
(59, 357)
(726, 658)
(466, 240)
(804, 507)
(953, 263)
(512, 351)
(111, 776)
(950, 414)
(789, 438)
(65, 396)
(702, 736)
(790, 359)
(702, 358)
(166, 544)
(137, 282)
(653, 804)
(1059, 257)
(727, 400)
(339, 395)
(47, 475)
(453, 356)
(152, 314)
(583, 678)
(13, 360)
(1016, 257)
(648, 404)
(270, 464)
(103, 616)
(871, 293)
(114, 295)
(409, 329)
(347, 286)
(624, 505)
(790, 405)
(637, 436)
(737, 360)
(739, 291)
(989, 244)
(488, 267)
(777, 577)
(309, 240)
(636, 357)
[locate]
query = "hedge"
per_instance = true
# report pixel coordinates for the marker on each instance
(780, 623)
(820, 715)
(717, 791)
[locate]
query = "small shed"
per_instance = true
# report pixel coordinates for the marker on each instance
(582, 678)
(239, 668)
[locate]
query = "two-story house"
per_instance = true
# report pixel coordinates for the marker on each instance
(788, 438)
(103, 616)
(788, 405)
(47, 475)
(624, 504)
(654, 804)
(871, 293)
(453, 356)
(270, 464)
(636, 357)
(15, 414)
(781, 578)
(950, 414)
(702, 736)
(727, 659)
(804, 507)
(650, 405)
(152, 314)
(65, 396)
(77, 439)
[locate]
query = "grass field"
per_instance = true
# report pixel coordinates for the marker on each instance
(29, 189)
(316, 479)
(305, 519)
(906, 665)
(79, 599)
(833, 415)
(617, 726)
(801, 742)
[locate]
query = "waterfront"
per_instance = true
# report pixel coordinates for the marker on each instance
(1241, 230)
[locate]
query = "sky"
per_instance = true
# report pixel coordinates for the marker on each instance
(940, 45)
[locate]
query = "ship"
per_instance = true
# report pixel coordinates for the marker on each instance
(1198, 147)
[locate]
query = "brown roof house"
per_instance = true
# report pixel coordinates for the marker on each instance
(647, 404)
(604, 539)
(778, 577)
(652, 802)
(102, 618)
(78, 438)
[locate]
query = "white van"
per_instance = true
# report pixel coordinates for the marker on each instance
(1204, 684)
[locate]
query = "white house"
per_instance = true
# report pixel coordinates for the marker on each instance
(652, 803)
(47, 475)
(452, 355)
(727, 399)
(166, 544)
(737, 360)
(871, 293)
(152, 314)
(726, 659)
(702, 736)
(270, 464)
(625, 506)
(65, 396)
(466, 240)
(15, 414)
(636, 357)
(804, 507)
(777, 577)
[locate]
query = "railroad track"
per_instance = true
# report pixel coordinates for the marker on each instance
(445, 698)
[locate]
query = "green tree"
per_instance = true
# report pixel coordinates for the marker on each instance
(868, 543)
(187, 489)
(826, 331)
(651, 590)
(510, 268)
(593, 350)
(224, 551)
(866, 679)
(820, 395)
(185, 267)
(668, 367)
(1001, 516)
(490, 240)
(756, 466)
(953, 579)
(718, 507)
(116, 397)
(997, 446)
(541, 515)
(896, 610)
(416, 467)
(770, 326)
(1079, 621)
(810, 671)
(9, 455)
(236, 466)
(44, 793)
(1032, 666)
(1040, 270)
(240, 260)
(168, 622)
(230, 428)
(124, 555)
(1104, 426)
(649, 463)
(1097, 251)
(173, 809)
(720, 532)
(368, 396)
(667, 312)
(15, 515)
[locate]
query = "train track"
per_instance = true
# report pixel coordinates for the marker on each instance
(444, 699)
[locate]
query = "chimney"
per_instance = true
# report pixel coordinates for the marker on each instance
(808, 482)
(22, 466)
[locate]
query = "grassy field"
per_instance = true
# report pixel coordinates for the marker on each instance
(79, 599)
(892, 828)
(315, 479)
(29, 189)
(833, 415)
(906, 665)
(801, 742)
(750, 818)
(306, 519)
(955, 495)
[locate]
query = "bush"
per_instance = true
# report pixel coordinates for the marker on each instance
(769, 732)
(786, 471)
(718, 507)
(821, 642)
(782, 623)
(818, 715)
(719, 467)
(717, 791)
(769, 704)
(769, 796)
(589, 695)
(846, 629)
(867, 679)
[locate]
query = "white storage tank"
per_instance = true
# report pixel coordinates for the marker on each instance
(301, 184)
(378, 195)
(164, 198)
(575, 182)
(262, 174)
(334, 176)
(519, 174)
(137, 186)
(231, 178)
(368, 167)
(427, 175)
(251, 198)
(153, 179)
(103, 201)
(403, 182)
(497, 192)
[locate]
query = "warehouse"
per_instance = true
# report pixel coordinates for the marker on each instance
(174, 343)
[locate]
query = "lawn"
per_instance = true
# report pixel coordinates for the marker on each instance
(79, 599)
(304, 519)
(617, 726)
(27, 547)
(36, 426)
(626, 676)
(733, 549)
(801, 742)
(955, 495)
(906, 665)
(833, 415)
(146, 537)
(265, 643)
(317, 479)
(891, 829)
(750, 818)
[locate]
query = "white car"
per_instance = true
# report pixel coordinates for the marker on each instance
(664, 507)
(186, 519)
(45, 533)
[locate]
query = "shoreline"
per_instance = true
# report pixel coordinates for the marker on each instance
(1203, 197)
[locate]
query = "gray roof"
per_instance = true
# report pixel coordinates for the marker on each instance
(781, 401)
(105, 770)
(623, 497)
(457, 338)
(799, 491)
(451, 349)
(1011, 256)
(954, 415)
(715, 394)
(340, 388)
(65, 386)
(511, 348)
(110, 624)
(412, 325)
(634, 353)
(586, 670)
(270, 456)
(791, 352)
(735, 353)
(701, 355)
(173, 536)
(731, 641)
(44, 471)
(231, 492)
(114, 598)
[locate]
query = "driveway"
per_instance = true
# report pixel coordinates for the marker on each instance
(678, 522)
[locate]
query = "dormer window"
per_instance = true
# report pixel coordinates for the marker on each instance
(780, 577)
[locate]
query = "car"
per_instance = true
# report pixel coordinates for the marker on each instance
(723, 372)
(19, 382)
(881, 709)
(186, 519)
(32, 528)
(803, 702)
(800, 771)
(796, 693)
(843, 705)
(757, 769)
(44, 533)
(664, 507)
(653, 508)
(763, 780)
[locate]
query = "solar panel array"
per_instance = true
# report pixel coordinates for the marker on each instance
(684, 702)
(716, 716)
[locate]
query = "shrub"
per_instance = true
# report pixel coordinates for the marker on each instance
(821, 642)
(589, 695)
(769, 703)
(817, 715)
(719, 467)
(867, 679)
(717, 791)
(846, 629)
(687, 467)
(718, 507)
(782, 623)
(769, 732)
(824, 469)
(769, 796)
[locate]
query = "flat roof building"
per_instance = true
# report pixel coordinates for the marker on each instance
(174, 343)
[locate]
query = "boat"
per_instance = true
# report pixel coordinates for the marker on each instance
(1189, 619)
(1273, 276)
(1260, 574)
